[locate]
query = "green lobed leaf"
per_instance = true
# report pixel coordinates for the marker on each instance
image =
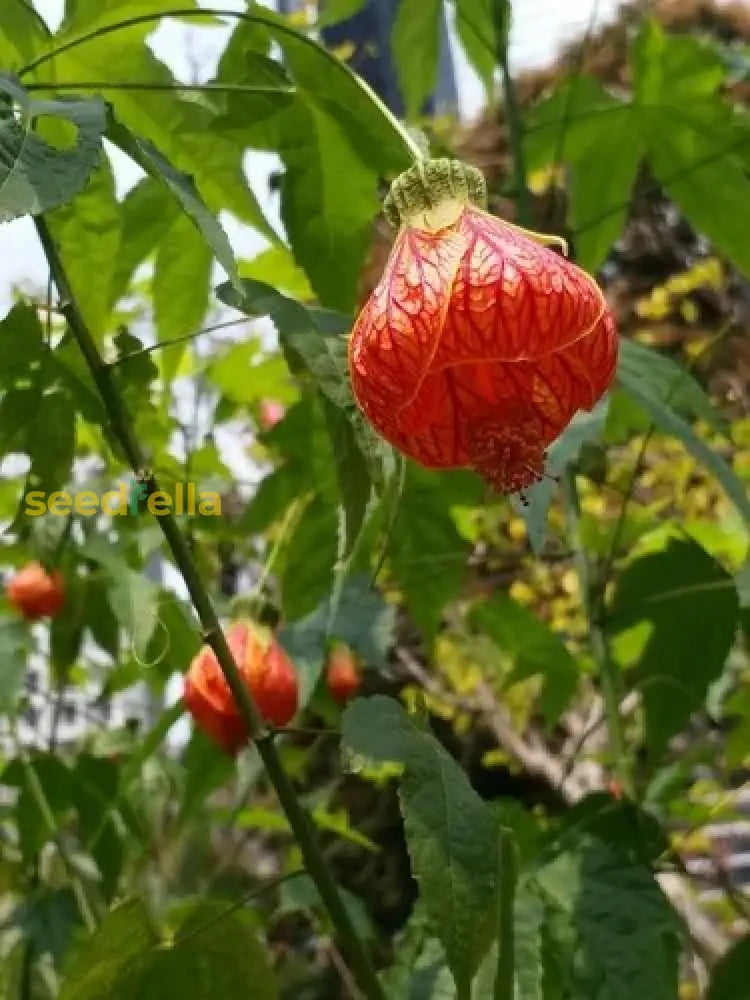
(21, 343)
(24, 34)
(101, 620)
(475, 26)
(612, 915)
(667, 382)
(54, 777)
(691, 135)
(329, 189)
(327, 83)
(147, 156)
(415, 42)
(66, 630)
(426, 554)
(83, 16)
(313, 339)
(692, 606)
(528, 940)
(34, 175)
(582, 126)
(206, 768)
(50, 439)
(711, 189)
(146, 212)
(533, 648)
(355, 487)
(87, 232)
(672, 68)
(329, 199)
(276, 267)
(451, 835)
(174, 642)
(181, 281)
(339, 10)
(176, 126)
(309, 559)
(730, 974)
(125, 958)
(94, 788)
(246, 376)
(134, 600)
(48, 918)
(14, 652)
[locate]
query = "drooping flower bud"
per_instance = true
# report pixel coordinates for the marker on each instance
(479, 344)
(265, 669)
(270, 412)
(36, 593)
(342, 675)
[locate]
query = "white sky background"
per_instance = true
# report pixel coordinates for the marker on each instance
(539, 28)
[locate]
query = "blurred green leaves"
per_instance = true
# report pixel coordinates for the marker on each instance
(676, 121)
(533, 649)
(730, 975)
(691, 606)
(416, 50)
(126, 957)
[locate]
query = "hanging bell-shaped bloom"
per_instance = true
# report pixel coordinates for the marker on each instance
(265, 670)
(480, 343)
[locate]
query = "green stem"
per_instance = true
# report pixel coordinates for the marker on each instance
(608, 673)
(513, 119)
(299, 820)
(37, 793)
(202, 88)
(505, 979)
(25, 990)
(274, 23)
(185, 338)
(393, 505)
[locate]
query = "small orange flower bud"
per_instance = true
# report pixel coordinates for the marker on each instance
(616, 790)
(342, 675)
(267, 672)
(36, 593)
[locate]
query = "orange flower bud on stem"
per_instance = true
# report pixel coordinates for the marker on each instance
(36, 593)
(342, 675)
(265, 670)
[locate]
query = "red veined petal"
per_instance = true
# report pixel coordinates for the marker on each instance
(513, 299)
(463, 397)
(398, 331)
(593, 359)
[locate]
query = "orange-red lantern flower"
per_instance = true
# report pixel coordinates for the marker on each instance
(265, 669)
(342, 674)
(480, 343)
(37, 593)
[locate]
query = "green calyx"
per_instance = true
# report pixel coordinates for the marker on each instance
(428, 183)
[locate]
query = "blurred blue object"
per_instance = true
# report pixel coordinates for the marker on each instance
(369, 31)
